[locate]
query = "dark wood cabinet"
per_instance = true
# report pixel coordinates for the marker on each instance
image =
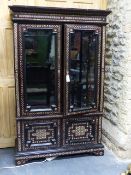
(59, 70)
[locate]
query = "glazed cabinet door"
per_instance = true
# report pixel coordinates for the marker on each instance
(39, 63)
(82, 68)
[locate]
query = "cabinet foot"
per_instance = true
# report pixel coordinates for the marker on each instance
(98, 153)
(21, 162)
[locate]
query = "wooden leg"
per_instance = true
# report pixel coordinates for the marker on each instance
(98, 153)
(21, 161)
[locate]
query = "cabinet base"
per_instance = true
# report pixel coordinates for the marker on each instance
(26, 157)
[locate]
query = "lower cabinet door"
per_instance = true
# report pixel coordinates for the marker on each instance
(38, 134)
(81, 131)
(58, 134)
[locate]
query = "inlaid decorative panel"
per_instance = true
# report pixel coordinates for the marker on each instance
(80, 131)
(40, 134)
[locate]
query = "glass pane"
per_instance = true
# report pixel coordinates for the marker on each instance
(82, 63)
(40, 56)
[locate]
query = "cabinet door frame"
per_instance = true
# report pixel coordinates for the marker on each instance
(19, 70)
(69, 29)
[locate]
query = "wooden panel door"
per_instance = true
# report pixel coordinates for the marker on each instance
(7, 82)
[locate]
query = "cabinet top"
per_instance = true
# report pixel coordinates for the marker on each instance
(48, 14)
(57, 10)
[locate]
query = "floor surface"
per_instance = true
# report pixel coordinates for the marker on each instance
(83, 165)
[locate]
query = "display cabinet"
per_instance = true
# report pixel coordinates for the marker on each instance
(59, 72)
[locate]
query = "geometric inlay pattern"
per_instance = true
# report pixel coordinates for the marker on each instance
(80, 131)
(40, 134)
